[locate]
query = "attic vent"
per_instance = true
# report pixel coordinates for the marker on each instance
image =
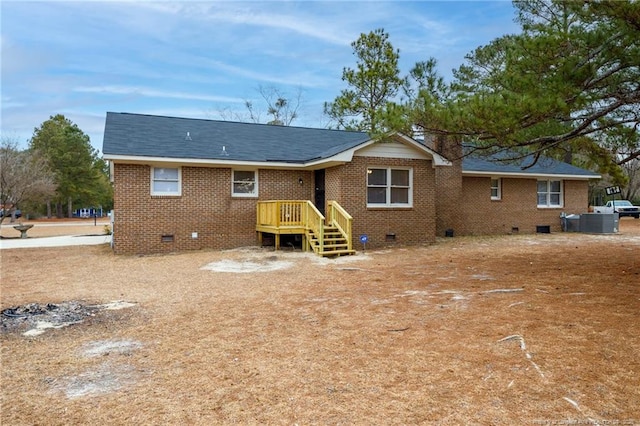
(188, 137)
(224, 152)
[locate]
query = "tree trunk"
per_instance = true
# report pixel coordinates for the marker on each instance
(568, 156)
(48, 209)
(69, 208)
(59, 210)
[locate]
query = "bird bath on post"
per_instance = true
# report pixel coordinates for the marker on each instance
(23, 229)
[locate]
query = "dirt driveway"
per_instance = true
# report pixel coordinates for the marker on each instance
(523, 329)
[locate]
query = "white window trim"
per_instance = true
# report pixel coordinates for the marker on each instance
(388, 204)
(499, 196)
(548, 192)
(253, 194)
(163, 193)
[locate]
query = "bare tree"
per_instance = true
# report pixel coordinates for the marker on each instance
(24, 177)
(281, 109)
(632, 170)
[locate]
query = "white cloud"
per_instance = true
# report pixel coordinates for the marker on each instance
(182, 112)
(284, 78)
(251, 14)
(17, 59)
(153, 93)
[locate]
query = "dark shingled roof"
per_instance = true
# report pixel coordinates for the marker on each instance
(544, 166)
(166, 137)
(140, 135)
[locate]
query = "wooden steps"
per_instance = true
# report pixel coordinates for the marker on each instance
(328, 235)
(333, 242)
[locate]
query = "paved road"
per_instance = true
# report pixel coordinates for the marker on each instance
(77, 240)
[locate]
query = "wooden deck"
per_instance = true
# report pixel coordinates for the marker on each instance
(330, 236)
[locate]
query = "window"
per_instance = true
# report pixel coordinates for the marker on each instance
(166, 181)
(549, 193)
(496, 189)
(245, 183)
(387, 187)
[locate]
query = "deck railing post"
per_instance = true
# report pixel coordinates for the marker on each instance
(349, 239)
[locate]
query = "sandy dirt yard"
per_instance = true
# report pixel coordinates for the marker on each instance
(508, 330)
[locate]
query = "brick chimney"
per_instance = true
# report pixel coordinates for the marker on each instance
(449, 186)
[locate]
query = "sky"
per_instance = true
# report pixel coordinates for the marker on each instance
(205, 59)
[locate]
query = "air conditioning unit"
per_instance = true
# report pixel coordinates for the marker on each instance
(599, 223)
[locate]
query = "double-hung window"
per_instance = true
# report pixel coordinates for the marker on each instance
(166, 181)
(244, 183)
(549, 193)
(496, 189)
(389, 187)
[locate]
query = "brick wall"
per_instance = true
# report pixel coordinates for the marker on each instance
(347, 185)
(221, 221)
(206, 207)
(517, 209)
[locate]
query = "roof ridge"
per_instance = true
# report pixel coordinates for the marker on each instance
(236, 122)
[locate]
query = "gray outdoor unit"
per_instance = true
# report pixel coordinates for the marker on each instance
(571, 223)
(599, 223)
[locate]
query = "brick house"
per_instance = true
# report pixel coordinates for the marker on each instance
(184, 184)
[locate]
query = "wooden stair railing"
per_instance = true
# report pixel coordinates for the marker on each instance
(340, 219)
(333, 243)
(336, 240)
(329, 236)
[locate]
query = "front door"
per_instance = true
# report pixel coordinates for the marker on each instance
(319, 197)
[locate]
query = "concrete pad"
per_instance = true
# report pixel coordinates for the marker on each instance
(73, 240)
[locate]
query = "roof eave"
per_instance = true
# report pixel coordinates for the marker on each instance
(216, 162)
(474, 173)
